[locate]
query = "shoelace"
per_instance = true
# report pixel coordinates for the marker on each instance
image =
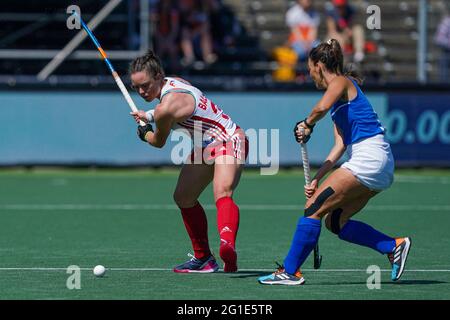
(190, 255)
(281, 269)
(391, 258)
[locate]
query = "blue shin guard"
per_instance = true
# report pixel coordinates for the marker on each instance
(364, 235)
(305, 239)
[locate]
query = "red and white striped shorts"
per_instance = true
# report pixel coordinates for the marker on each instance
(236, 146)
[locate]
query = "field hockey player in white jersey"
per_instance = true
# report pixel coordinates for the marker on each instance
(218, 158)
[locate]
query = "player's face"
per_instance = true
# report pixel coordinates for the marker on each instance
(306, 4)
(315, 74)
(147, 87)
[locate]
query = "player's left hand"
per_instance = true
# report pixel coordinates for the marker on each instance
(139, 116)
(302, 132)
(143, 130)
(311, 188)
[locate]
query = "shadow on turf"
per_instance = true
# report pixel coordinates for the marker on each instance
(253, 274)
(248, 274)
(417, 282)
(398, 283)
(259, 273)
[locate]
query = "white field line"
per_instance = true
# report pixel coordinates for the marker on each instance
(397, 178)
(241, 270)
(422, 179)
(249, 207)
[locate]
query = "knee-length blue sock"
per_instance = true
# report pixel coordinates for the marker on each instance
(305, 239)
(360, 233)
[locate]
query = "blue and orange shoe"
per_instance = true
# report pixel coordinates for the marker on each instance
(399, 256)
(280, 276)
(194, 265)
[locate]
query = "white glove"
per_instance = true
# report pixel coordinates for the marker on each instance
(150, 116)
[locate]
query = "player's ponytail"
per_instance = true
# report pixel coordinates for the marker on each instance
(330, 54)
(149, 63)
(350, 72)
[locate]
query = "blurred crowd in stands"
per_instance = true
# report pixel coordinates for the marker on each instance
(186, 31)
(304, 20)
(442, 40)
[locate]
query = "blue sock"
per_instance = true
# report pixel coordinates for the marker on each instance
(364, 235)
(305, 239)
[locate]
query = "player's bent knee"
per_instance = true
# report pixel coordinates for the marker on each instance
(223, 193)
(335, 221)
(318, 202)
(182, 201)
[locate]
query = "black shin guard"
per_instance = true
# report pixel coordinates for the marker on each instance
(335, 221)
(328, 192)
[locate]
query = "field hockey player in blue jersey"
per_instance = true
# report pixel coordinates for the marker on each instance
(347, 190)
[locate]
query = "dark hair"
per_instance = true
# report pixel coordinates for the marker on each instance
(330, 54)
(149, 63)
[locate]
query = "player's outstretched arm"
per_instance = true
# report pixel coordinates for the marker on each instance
(139, 115)
(335, 154)
(175, 107)
(332, 94)
(144, 116)
(334, 91)
(163, 120)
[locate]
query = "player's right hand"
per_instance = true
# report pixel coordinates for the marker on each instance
(302, 132)
(139, 116)
(311, 188)
(143, 130)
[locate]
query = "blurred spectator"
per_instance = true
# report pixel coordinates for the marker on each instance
(286, 59)
(225, 28)
(341, 26)
(195, 32)
(134, 40)
(167, 33)
(303, 21)
(442, 39)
